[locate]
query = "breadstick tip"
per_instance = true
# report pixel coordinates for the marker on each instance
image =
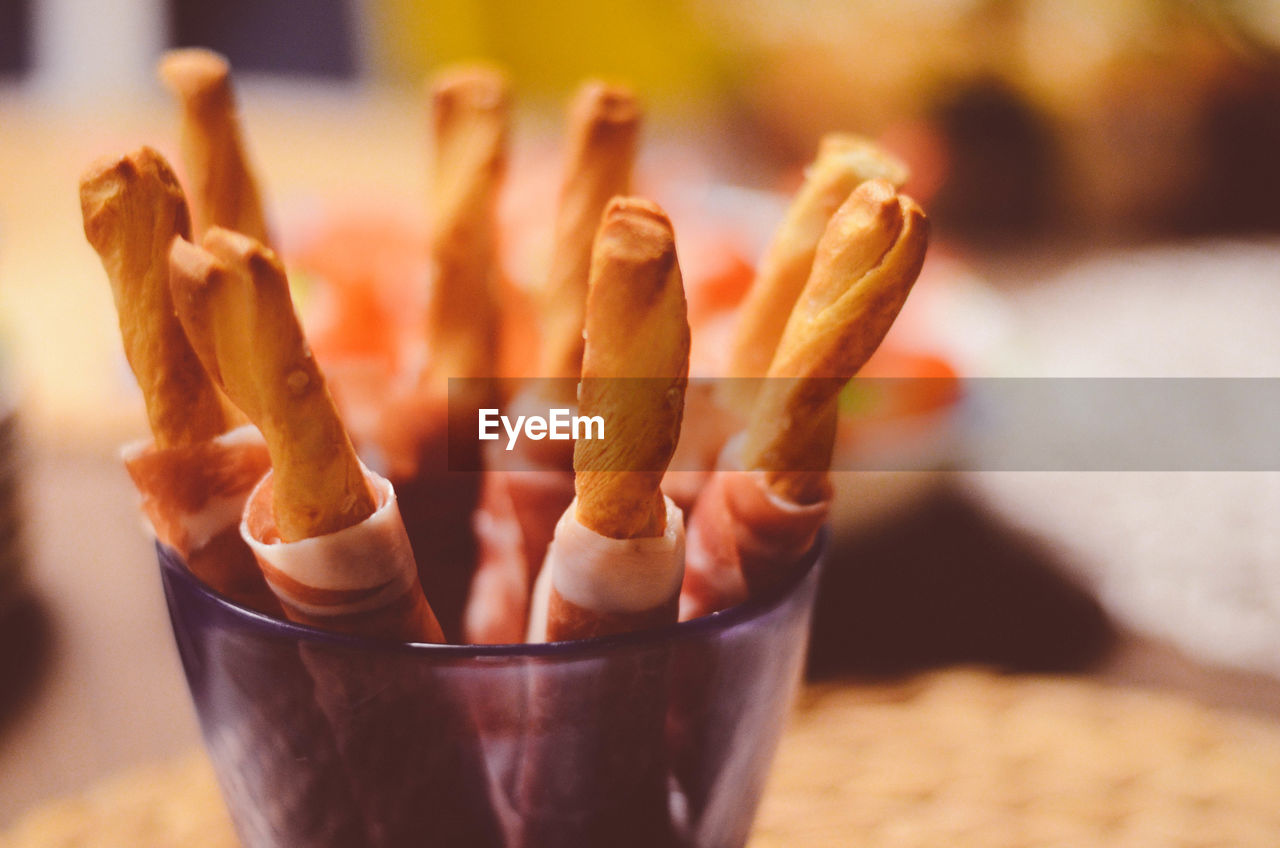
(873, 207)
(195, 73)
(637, 232)
(864, 157)
(473, 86)
(605, 104)
(104, 183)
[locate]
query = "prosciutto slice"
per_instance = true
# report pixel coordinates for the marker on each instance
(193, 497)
(498, 605)
(743, 540)
(597, 586)
(594, 766)
(514, 526)
(361, 579)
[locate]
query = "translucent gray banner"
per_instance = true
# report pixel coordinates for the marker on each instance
(913, 424)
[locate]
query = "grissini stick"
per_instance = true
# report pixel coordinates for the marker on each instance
(326, 532)
(616, 560)
(470, 123)
(617, 555)
(427, 432)
(759, 514)
(195, 477)
(843, 163)
(604, 122)
(133, 207)
(329, 537)
(200, 464)
(859, 284)
(757, 518)
(224, 191)
(527, 493)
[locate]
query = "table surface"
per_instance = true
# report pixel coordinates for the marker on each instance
(962, 757)
(89, 678)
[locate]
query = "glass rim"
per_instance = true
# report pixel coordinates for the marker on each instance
(693, 628)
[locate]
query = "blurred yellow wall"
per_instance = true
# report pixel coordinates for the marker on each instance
(659, 46)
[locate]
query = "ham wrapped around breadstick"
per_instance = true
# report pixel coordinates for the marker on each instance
(195, 476)
(201, 463)
(330, 539)
(760, 512)
(326, 532)
(527, 490)
(426, 438)
(224, 191)
(617, 557)
(634, 373)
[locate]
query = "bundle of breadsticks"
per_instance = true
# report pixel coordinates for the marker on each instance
(829, 285)
(250, 477)
(213, 337)
(358, 499)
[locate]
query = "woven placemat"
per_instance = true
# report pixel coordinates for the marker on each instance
(958, 758)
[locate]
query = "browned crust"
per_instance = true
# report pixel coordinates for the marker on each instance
(470, 118)
(844, 162)
(634, 372)
(866, 263)
(566, 620)
(604, 121)
(133, 208)
(223, 189)
(233, 299)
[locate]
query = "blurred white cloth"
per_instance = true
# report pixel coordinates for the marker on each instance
(87, 50)
(1190, 557)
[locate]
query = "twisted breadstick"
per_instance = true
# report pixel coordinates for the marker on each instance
(603, 124)
(223, 188)
(469, 125)
(636, 327)
(133, 208)
(866, 262)
(844, 161)
(233, 300)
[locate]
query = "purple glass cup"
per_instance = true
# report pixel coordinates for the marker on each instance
(659, 738)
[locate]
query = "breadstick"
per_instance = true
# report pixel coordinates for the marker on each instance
(233, 299)
(617, 559)
(223, 188)
(844, 161)
(867, 261)
(636, 327)
(528, 503)
(133, 208)
(469, 125)
(766, 502)
(603, 125)
(326, 532)
(198, 468)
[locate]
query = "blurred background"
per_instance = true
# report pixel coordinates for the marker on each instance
(1137, 116)
(1105, 185)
